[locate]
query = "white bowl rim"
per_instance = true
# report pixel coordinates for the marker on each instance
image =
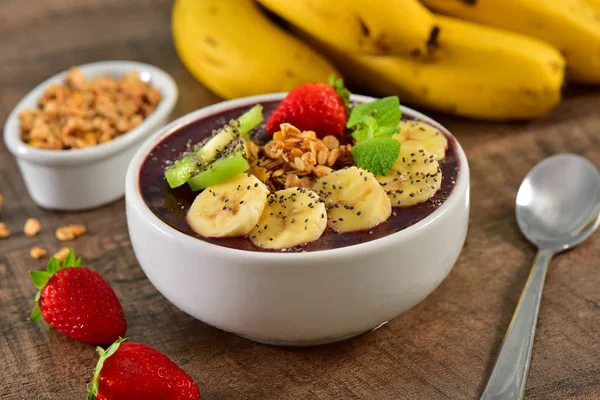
(14, 143)
(134, 197)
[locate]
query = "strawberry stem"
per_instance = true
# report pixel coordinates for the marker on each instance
(338, 85)
(104, 354)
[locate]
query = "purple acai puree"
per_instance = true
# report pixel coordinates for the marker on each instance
(172, 205)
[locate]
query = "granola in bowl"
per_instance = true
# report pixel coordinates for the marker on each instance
(296, 159)
(81, 113)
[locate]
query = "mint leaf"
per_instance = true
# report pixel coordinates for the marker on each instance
(377, 155)
(367, 130)
(386, 113)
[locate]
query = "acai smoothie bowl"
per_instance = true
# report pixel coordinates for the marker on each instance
(301, 218)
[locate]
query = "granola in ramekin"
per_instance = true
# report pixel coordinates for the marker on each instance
(83, 113)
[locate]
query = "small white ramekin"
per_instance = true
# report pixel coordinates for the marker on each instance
(86, 178)
(296, 299)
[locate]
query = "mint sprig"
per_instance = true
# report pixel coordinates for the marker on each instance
(374, 123)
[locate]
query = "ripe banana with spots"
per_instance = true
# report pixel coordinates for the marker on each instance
(572, 26)
(477, 71)
(354, 199)
(292, 217)
(235, 50)
(231, 208)
(415, 177)
(379, 27)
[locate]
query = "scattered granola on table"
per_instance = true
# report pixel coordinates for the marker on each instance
(295, 158)
(37, 252)
(32, 227)
(62, 254)
(4, 231)
(82, 113)
(69, 232)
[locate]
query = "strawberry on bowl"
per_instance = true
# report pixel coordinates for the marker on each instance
(77, 302)
(132, 371)
(314, 107)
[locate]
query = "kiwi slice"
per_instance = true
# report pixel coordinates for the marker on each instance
(204, 154)
(216, 144)
(230, 162)
(250, 120)
(181, 170)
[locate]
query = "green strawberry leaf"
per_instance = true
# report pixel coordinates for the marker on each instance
(69, 260)
(53, 265)
(104, 354)
(40, 278)
(36, 314)
(377, 155)
(338, 85)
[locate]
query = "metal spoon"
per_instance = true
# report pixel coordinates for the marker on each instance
(557, 208)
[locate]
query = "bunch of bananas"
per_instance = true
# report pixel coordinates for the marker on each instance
(488, 59)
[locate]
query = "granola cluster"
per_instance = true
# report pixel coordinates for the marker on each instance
(296, 159)
(83, 113)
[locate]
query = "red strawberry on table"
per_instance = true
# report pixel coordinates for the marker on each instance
(77, 302)
(313, 107)
(135, 371)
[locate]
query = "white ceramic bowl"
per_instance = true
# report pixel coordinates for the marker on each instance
(296, 298)
(90, 177)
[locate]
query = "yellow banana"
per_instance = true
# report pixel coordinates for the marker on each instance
(379, 27)
(477, 71)
(235, 50)
(594, 3)
(572, 26)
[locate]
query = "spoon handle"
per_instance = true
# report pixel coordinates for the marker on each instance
(507, 381)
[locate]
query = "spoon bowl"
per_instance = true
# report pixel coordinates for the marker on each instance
(559, 201)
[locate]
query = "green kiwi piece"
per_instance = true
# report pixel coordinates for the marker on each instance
(185, 167)
(180, 171)
(230, 163)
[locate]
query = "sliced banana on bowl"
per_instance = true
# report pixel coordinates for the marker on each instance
(421, 134)
(354, 199)
(415, 177)
(292, 217)
(230, 208)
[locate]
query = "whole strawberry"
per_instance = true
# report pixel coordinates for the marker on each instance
(313, 107)
(77, 302)
(135, 371)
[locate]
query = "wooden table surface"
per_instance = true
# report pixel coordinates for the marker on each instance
(441, 349)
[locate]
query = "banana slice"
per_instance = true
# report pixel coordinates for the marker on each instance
(230, 208)
(421, 134)
(354, 199)
(415, 177)
(292, 217)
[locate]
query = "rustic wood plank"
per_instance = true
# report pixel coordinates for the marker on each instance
(441, 349)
